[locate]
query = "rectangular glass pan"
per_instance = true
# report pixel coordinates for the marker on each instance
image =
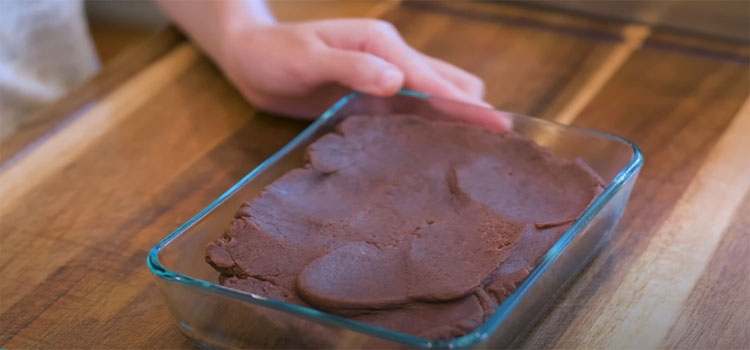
(213, 315)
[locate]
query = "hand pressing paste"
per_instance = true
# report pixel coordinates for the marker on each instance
(418, 226)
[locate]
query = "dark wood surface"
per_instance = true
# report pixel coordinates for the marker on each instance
(159, 134)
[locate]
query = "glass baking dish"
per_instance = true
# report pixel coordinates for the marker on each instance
(215, 316)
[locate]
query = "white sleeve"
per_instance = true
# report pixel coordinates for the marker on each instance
(45, 49)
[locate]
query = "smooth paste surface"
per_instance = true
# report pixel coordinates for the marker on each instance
(418, 226)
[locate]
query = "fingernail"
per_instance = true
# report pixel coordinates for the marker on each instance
(479, 102)
(485, 104)
(391, 79)
(506, 121)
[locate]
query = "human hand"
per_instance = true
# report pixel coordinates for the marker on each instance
(299, 69)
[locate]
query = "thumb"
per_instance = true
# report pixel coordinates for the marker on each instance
(359, 71)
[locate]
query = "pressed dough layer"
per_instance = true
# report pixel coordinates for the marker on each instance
(419, 226)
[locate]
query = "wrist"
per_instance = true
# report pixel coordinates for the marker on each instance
(211, 23)
(238, 45)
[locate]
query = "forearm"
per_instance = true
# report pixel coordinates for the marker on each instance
(299, 68)
(208, 21)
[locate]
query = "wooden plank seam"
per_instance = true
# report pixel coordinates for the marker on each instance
(68, 144)
(639, 313)
(633, 36)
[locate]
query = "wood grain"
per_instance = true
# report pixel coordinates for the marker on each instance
(663, 275)
(295, 10)
(633, 39)
(111, 39)
(532, 61)
(165, 139)
(716, 314)
(675, 113)
(180, 155)
(78, 136)
(54, 117)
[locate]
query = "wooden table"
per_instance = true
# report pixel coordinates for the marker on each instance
(123, 160)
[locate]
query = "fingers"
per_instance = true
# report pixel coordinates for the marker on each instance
(359, 71)
(381, 39)
(464, 80)
(423, 75)
(482, 116)
(362, 50)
